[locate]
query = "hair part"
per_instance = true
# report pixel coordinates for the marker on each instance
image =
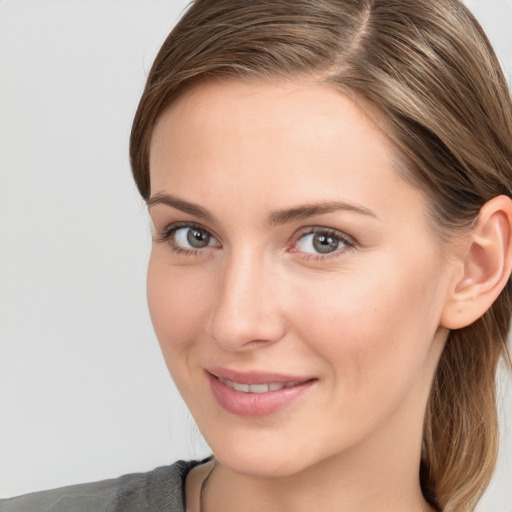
(429, 71)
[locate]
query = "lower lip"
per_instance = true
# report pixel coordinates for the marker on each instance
(255, 405)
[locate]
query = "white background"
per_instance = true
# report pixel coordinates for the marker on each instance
(84, 392)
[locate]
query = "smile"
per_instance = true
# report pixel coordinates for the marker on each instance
(254, 394)
(259, 388)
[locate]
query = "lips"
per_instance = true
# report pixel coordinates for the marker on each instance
(255, 394)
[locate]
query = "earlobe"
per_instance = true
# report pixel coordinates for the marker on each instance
(486, 265)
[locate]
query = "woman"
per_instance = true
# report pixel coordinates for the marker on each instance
(329, 185)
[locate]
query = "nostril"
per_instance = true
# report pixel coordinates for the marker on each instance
(240, 342)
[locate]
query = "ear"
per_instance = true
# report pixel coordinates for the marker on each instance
(485, 264)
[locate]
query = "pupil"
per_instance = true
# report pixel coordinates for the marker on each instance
(325, 243)
(198, 238)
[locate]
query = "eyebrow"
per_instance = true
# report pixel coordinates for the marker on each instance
(180, 204)
(276, 217)
(310, 210)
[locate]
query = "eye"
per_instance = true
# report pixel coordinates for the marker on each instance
(187, 238)
(193, 238)
(322, 242)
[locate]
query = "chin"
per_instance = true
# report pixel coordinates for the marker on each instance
(262, 465)
(265, 458)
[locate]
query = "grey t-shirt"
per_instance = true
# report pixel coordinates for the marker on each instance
(159, 490)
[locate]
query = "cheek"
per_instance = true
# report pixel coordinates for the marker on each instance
(178, 303)
(369, 325)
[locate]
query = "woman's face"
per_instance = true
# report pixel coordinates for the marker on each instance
(294, 284)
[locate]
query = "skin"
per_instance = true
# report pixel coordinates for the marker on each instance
(365, 321)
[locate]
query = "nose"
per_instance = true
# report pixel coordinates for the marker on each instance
(247, 313)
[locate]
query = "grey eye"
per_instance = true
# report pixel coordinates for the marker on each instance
(198, 238)
(193, 238)
(320, 243)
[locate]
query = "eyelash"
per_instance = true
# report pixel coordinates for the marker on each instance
(348, 242)
(167, 237)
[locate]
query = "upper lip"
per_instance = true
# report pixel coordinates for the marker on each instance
(255, 377)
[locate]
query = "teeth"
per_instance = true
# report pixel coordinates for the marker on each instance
(258, 388)
(241, 387)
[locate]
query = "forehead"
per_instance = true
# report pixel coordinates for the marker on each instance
(286, 142)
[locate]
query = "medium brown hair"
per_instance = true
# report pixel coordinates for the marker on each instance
(429, 70)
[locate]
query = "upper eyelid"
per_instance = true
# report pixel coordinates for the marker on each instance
(323, 229)
(174, 226)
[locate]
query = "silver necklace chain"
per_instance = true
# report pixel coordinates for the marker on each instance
(202, 492)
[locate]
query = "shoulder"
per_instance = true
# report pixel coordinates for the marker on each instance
(159, 490)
